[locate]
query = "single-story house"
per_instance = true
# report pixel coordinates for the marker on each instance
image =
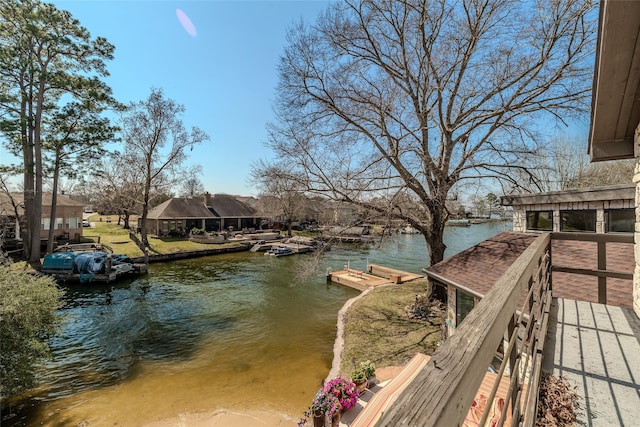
(467, 276)
(217, 213)
(67, 224)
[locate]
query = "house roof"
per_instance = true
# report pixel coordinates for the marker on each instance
(18, 197)
(478, 268)
(576, 254)
(180, 208)
(226, 206)
(615, 103)
(218, 206)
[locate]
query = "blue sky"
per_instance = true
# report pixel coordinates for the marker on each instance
(225, 75)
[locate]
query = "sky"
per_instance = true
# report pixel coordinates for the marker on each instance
(217, 58)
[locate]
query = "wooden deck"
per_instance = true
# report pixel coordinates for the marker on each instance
(377, 275)
(395, 276)
(596, 347)
(356, 279)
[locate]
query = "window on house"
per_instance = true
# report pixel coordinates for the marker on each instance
(620, 220)
(59, 223)
(45, 223)
(540, 220)
(73, 222)
(584, 220)
(464, 304)
(165, 225)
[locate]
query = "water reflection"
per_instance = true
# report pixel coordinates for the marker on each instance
(238, 331)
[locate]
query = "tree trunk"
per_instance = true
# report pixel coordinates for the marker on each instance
(142, 223)
(125, 218)
(34, 259)
(54, 201)
(435, 234)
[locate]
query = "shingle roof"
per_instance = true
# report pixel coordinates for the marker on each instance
(226, 206)
(218, 206)
(180, 208)
(575, 254)
(480, 266)
(5, 202)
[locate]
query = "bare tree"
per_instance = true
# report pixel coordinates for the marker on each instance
(191, 185)
(13, 211)
(553, 166)
(154, 133)
(281, 192)
(605, 173)
(382, 97)
(117, 186)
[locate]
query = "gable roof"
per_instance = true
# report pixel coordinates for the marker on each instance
(218, 206)
(180, 208)
(18, 197)
(225, 206)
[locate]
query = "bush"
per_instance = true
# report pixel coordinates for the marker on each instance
(28, 318)
(197, 231)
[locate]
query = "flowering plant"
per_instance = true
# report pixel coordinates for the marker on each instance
(339, 394)
(322, 404)
(344, 390)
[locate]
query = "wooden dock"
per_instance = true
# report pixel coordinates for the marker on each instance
(376, 276)
(395, 276)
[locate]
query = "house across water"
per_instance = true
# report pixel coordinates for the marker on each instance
(220, 212)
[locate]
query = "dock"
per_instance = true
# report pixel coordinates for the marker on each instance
(395, 276)
(295, 247)
(375, 275)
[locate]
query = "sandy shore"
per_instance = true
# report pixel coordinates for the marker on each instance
(225, 418)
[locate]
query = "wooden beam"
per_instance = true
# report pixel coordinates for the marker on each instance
(594, 237)
(597, 273)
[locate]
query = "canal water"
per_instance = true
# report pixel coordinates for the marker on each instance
(237, 331)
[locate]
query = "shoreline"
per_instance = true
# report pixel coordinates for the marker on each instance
(226, 418)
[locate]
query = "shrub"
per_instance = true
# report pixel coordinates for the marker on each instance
(28, 317)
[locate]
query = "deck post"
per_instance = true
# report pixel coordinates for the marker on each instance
(636, 181)
(602, 265)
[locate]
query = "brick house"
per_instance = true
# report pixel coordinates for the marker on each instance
(219, 212)
(67, 225)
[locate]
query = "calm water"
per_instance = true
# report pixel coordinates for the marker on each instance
(237, 331)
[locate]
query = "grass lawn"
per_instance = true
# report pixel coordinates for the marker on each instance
(378, 329)
(113, 235)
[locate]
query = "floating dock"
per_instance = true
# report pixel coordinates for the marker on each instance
(376, 275)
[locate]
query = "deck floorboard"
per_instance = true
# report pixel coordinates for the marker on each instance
(597, 348)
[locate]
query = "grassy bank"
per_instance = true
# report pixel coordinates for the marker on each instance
(112, 234)
(378, 329)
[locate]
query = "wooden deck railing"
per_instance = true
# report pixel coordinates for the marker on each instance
(515, 310)
(601, 271)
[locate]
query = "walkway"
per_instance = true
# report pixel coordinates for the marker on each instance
(597, 348)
